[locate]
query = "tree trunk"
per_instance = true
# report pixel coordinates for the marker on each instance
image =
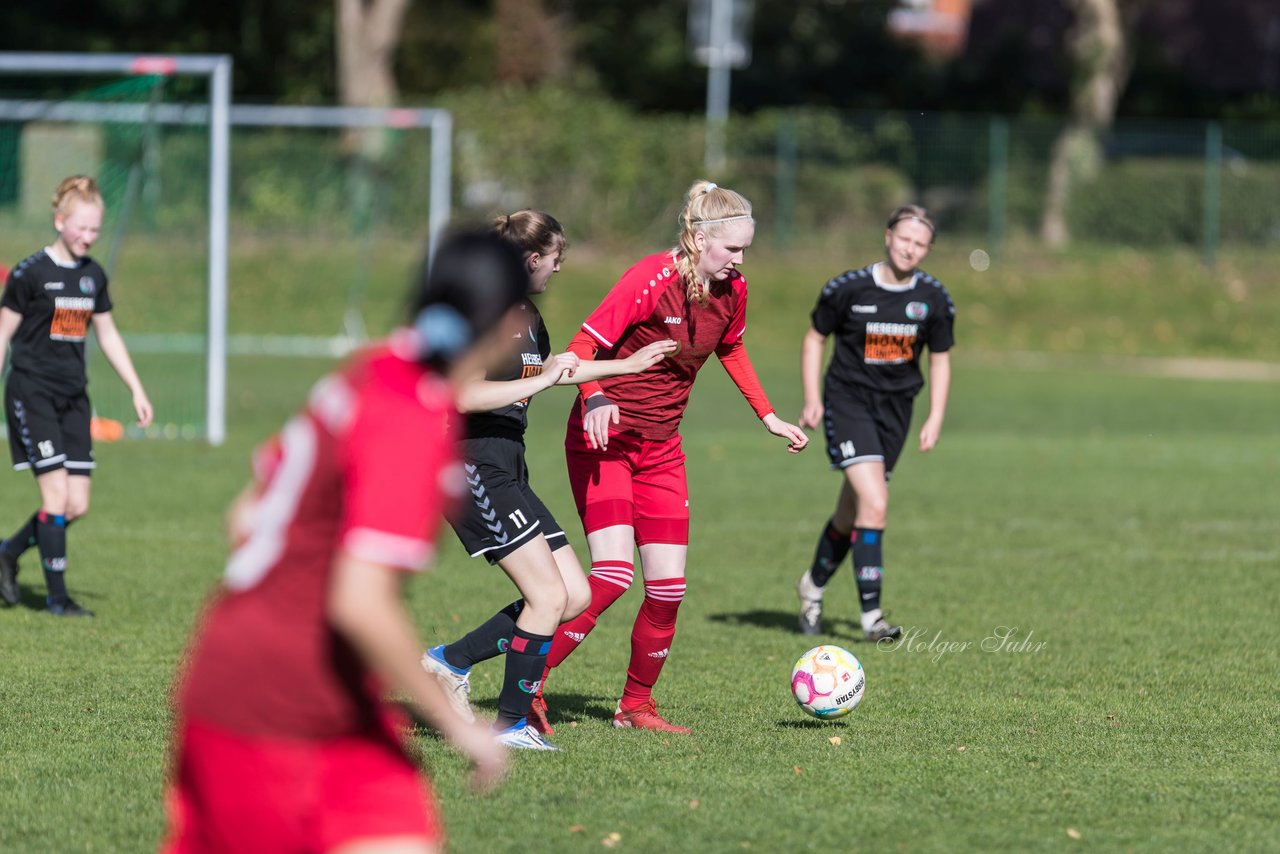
(368, 34)
(533, 47)
(1097, 45)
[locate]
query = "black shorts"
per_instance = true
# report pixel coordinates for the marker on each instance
(47, 431)
(500, 512)
(864, 426)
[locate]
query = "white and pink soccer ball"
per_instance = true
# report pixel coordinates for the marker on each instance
(828, 682)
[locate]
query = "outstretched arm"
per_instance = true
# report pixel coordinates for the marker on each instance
(112, 344)
(481, 395)
(939, 390)
(590, 370)
(738, 365)
(364, 607)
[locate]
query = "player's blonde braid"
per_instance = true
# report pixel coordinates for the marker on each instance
(707, 208)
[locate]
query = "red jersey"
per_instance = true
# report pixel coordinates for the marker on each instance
(648, 304)
(367, 468)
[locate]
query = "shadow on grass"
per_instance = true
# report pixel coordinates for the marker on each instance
(786, 621)
(561, 709)
(32, 597)
(810, 723)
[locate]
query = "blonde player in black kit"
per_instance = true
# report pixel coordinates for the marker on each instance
(50, 301)
(501, 518)
(882, 317)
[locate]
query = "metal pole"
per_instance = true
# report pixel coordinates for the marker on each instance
(219, 192)
(998, 189)
(1212, 191)
(441, 179)
(785, 203)
(718, 85)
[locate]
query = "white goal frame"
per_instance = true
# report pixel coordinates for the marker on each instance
(220, 114)
(217, 69)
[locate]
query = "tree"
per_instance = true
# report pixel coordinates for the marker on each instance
(533, 47)
(1098, 47)
(368, 32)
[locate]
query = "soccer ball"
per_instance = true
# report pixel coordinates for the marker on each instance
(828, 682)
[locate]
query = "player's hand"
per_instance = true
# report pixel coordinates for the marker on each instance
(796, 438)
(142, 408)
(241, 515)
(488, 757)
(929, 434)
(650, 354)
(595, 424)
(811, 415)
(560, 366)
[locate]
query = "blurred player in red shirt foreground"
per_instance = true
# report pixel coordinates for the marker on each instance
(284, 741)
(626, 466)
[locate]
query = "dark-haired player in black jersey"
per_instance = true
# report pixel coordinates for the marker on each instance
(882, 317)
(501, 518)
(50, 301)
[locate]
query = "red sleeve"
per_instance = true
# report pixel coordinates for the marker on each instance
(631, 300)
(399, 461)
(584, 347)
(738, 365)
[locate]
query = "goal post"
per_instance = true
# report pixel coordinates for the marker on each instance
(294, 169)
(216, 69)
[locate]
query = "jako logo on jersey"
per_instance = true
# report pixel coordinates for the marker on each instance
(674, 321)
(662, 653)
(576, 637)
(530, 687)
(87, 285)
(53, 286)
(917, 310)
(863, 309)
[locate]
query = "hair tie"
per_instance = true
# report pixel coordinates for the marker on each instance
(711, 185)
(442, 332)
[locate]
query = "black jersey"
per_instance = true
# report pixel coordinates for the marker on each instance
(57, 304)
(882, 329)
(534, 345)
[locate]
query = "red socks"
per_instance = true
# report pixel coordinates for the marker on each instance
(651, 637)
(609, 579)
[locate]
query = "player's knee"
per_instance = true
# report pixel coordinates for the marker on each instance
(577, 598)
(873, 513)
(53, 502)
(76, 508)
(549, 600)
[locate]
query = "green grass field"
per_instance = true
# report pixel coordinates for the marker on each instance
(1128, 525)
(1124, 527)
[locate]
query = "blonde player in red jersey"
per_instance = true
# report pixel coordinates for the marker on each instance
(284, 741)
(626, 466)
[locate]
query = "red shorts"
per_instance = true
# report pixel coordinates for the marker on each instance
(235, 793)
(638, 482)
